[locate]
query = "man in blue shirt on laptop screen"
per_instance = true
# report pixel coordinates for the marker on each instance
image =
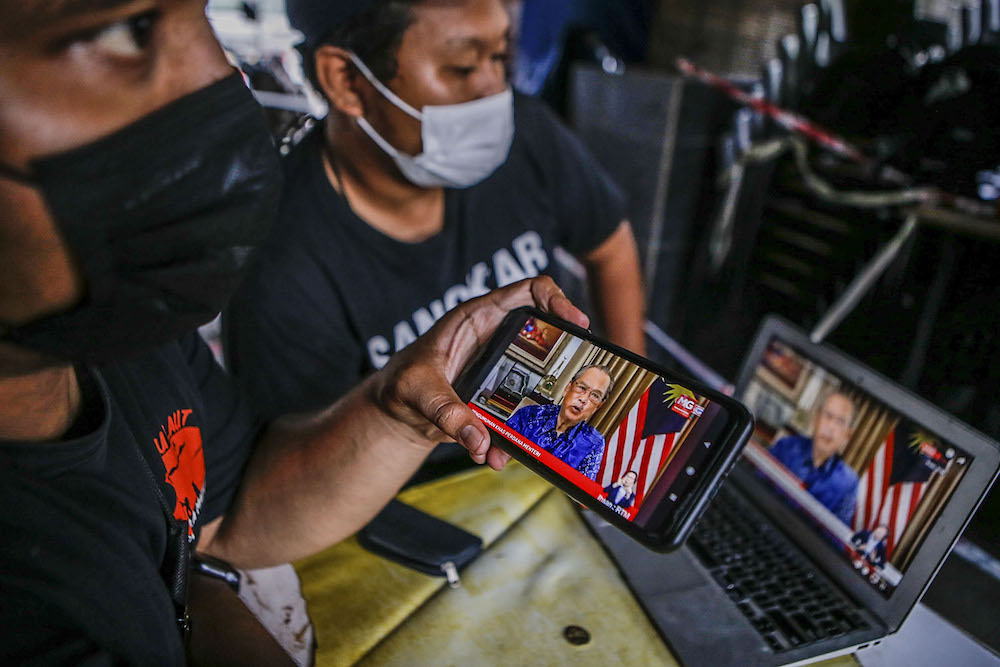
(817, 460)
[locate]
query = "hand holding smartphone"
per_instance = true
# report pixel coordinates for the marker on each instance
(643, 447)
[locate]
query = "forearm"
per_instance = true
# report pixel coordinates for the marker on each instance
(616, 289)
(313, 481)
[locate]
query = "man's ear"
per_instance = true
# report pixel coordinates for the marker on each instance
(337, 80)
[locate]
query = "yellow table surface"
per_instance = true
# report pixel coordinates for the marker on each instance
(540, 572)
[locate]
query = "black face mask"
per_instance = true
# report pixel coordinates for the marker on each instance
(161, 218)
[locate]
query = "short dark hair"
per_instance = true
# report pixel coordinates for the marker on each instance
(374, 36)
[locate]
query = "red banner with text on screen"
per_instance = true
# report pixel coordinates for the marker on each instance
(553, 463)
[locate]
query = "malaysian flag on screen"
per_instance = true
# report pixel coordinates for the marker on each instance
(644, 439)
(894, 482)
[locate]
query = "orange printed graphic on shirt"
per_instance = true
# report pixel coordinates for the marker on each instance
(179, 445)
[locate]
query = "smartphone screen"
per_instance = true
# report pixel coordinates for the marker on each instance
(640, 445)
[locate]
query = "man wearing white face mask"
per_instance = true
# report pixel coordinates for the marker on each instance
(429, 182)
(462, 143)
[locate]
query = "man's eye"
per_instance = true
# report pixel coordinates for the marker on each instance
(463, 70)
(129, 38)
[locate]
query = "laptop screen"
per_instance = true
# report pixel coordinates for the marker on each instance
(871, 481)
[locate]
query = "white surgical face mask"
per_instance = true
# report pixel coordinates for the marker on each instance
(462, 143)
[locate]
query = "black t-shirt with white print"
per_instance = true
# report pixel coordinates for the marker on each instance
(84, 535)
(331, 298)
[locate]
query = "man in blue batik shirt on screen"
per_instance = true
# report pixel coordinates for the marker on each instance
(563, 429)
(816, 461)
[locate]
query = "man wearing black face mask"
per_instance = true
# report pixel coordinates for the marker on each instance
(136, 178)
(428, 183)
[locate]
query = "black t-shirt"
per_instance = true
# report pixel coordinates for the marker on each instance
(83, 532)
(331, 297)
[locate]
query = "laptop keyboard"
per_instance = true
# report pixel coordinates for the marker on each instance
(787, 601)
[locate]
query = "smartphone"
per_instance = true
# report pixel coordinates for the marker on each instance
(643, 447)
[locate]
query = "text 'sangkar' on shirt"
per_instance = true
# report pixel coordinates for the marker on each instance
(580, 446)
(331, 298)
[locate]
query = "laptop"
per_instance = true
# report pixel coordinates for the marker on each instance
(843, 506)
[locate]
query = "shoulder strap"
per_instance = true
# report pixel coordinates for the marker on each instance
(177, 559)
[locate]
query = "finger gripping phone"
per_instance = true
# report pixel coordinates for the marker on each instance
(643, 447)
